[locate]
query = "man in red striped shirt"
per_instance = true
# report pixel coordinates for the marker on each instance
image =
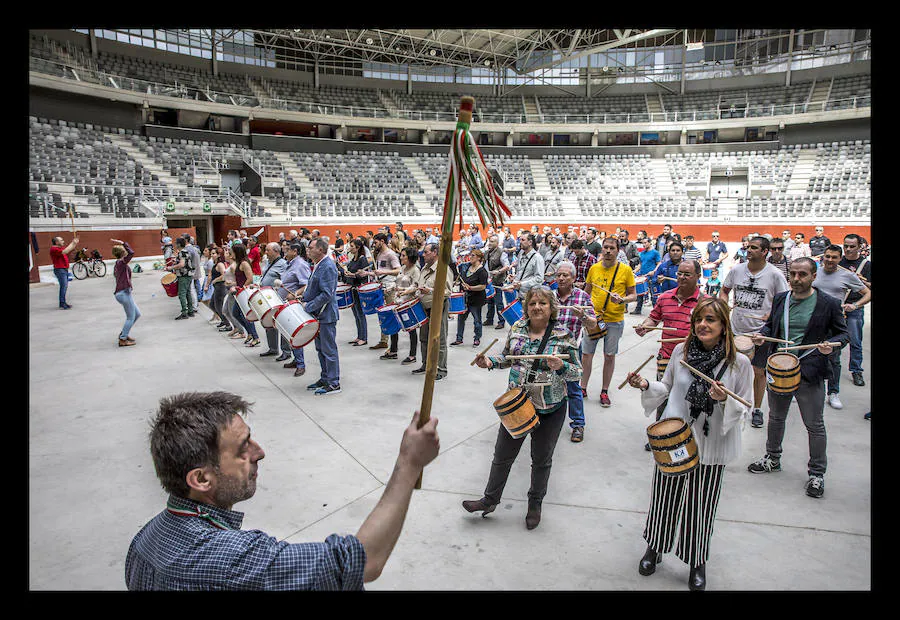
(60, 257)
(674, 309)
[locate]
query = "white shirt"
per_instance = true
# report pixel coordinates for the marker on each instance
(723, 444)
(753, 295)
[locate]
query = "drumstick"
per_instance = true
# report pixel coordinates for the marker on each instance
(808, 346)
(850, 270)
(668, 278)
(488, 348)
(767, 339)
(671, 329)
(711, 381)
(682, 339)
(637, 370)
(542, 356)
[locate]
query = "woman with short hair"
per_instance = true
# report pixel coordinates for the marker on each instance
(473, 280)
(123, 253)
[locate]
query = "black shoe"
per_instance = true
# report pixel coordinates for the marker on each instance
(456, 342)
(638, 312)
(858, 379)
(533, 516)
(815, 487)
(268, 353)
(439, 376)
(647, 565)
(181, 316)
(328, 389)
(488, 324)
(647, 447)
(290, 364)
(419, 371)
(697, 579)
(480, 504)
(192, 314)
(499, 326)
(315, 386)
(868, 416)
(756, 418)
(283, 357)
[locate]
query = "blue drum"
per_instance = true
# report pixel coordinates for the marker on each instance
(371, 297)
(489, 291)
(509, 295)
(344, 295)
(388, 319)
(512, 312)
(708, 269)
(640, 285)
(412, 314)
(458, 303)
(553, 285)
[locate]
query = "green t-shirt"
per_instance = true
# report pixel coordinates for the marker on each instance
(799, 314)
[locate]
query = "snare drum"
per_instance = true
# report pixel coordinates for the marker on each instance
(344, 293)
(412, 314)
(708, 269)
(553, 285)
(517, 413)
(509, 295)
(242, 297)
(512, 312)
(458, 303)
(783, 373)
(170, 283)
(296, 324)
(371, 297)
(640, 285)
(674, 447)
(744, 344)
(264, 301)
(388, 319)
(489, 291)
(598, 332)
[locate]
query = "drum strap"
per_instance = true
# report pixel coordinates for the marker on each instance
(531, 373)
(612, 283)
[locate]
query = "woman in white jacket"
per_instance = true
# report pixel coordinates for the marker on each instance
(692, 498)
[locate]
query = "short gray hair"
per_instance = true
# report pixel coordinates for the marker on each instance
(321, 244)
(546, 292)
(568, 265)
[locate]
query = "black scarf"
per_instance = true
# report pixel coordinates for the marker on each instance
(698, 393)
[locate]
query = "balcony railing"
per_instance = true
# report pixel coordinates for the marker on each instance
(186, 91)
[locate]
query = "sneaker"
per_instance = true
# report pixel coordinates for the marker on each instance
(487, 324)
(816, 486)
(765, 465)
(192, 313)
(604, 399)
(858, 379)
(868, 416)
(834, 401)
(499, 326)
(584, 393)
(315, 386)
(578, 434)
(637, 312)
(380, 345)
(328, 389)
(456, 343)
(419, 371)
(409, 360)
(647, 447)
(388, 356)
(180, 317)
(476, 342)
(756, 418)
(439, 376)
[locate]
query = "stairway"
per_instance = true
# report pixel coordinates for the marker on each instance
(166, 178)
(422, 201)
(654, 106)
(388, 102)
(532, 115)
(661, 177)
(819, 94)
(541, 182)
(259, 91)
(803, 168)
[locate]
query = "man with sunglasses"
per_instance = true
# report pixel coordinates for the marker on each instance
(818, 243)
(862, 265)
(777, 257)
(716, 251)
(755, 284)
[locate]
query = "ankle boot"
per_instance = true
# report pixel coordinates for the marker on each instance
(647, 565)
(479, 504)
(533, 516)
(697, 580)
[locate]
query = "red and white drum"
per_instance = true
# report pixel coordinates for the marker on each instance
(296, 324)
(242, 297)
(265, 301)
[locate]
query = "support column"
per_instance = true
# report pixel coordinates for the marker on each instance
(408, 80)
(215, 61)
(587, 81)
(93, 42)
(683, 59)
(595, 139)
(509, 139)
(787, 79)
(425, 135)
(316, 74)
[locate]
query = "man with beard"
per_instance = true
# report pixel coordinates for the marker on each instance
(207, 461)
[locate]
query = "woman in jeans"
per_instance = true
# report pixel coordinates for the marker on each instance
(406, 291)
(237, 333)
(358, 262)
(220, 289)
(243, 274)
(473, 280)
(123, 253)
(210, 253)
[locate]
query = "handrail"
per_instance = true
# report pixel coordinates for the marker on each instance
(276, 103)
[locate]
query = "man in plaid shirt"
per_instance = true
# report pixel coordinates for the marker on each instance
(575, 310)
(206, 460)
(582, 261)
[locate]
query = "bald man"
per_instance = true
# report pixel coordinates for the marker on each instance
(277, 267)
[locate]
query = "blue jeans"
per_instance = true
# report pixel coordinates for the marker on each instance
(359, 315)
(63, 276)
(576, 400)
(326, 347)
(132, 313)
(248, 326)
(855, 321)
(475, 311)
(653, 295)
(495, 302)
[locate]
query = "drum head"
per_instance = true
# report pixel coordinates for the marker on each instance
(743, 343)
(783, 361)
(169, 278)
(507, 397)
(666, 427)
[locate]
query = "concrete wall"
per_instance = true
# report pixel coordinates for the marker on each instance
(58, 105)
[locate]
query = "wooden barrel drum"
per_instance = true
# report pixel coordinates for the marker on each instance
(673, 445)
(516, 413)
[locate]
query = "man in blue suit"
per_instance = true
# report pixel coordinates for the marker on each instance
(320, 301)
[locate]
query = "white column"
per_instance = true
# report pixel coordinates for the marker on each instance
(787, 78)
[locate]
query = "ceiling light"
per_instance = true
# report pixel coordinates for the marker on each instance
(694, 46)
(433, 52)
(369, 41)
(487, 63)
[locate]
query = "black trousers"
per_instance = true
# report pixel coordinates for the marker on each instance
(543, 443)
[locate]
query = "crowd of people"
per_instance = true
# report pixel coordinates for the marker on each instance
(573, 290)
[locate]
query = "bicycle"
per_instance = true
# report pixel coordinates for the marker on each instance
(85, 265)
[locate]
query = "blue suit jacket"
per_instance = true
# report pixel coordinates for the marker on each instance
(319, 295)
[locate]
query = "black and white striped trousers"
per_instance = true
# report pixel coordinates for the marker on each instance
(685, 505)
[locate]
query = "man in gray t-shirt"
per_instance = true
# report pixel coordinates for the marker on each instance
(755, 284)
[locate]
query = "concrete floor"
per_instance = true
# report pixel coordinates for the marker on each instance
(92, 484)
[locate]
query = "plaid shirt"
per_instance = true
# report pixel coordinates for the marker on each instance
(192, 550)
(569, 319)
(544, 398)
(581, 268)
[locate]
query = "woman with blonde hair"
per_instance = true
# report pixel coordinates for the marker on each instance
(692, 498)
(544, 380)
(123, 253)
